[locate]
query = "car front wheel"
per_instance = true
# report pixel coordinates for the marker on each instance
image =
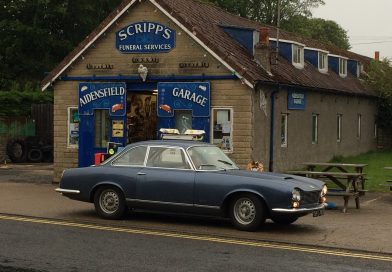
(109, 203)
(247, 212)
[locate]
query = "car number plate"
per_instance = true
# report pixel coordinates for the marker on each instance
(318, 213)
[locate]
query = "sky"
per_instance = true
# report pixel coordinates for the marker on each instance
(368, 23)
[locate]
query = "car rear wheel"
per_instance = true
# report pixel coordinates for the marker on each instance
(109, 203)
(247, 212)
(284, 219)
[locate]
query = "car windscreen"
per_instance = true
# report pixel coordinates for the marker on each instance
(210, 158)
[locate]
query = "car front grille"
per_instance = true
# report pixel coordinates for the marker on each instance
(310, 197)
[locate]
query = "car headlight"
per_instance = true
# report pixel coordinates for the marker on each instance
(324, 191)
(296, 195)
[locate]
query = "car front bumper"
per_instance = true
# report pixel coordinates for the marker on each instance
(300, 210)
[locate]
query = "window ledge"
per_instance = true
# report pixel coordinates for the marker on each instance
(298, 65)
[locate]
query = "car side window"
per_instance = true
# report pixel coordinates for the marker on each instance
(167, 157)
(132, 157)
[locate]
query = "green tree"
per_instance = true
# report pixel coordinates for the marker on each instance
(266, 11)
(380, 80)
(323, 30)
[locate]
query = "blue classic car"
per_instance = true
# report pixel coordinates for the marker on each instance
(192, 177)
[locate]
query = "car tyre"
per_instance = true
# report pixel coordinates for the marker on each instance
(109, 203)
(284, 220)
(247, 212)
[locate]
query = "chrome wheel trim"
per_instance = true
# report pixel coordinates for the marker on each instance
(109, 201)
(244, 211)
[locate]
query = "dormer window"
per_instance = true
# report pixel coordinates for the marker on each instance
(323, 62)
(298, 56)
(342, 67)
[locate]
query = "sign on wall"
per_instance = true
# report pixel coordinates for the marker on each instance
(296, 100)
(193, 96)
(145, 37)
(111, 96)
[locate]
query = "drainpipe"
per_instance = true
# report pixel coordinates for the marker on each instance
(272, 130)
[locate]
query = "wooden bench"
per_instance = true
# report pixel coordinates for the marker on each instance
(346, 196)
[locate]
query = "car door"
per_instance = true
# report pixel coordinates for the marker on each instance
(167, 180)
(126, 168)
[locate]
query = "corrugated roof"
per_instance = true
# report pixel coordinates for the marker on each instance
(205, 20)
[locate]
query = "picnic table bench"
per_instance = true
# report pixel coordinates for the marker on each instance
(389, 182)
(346, 181)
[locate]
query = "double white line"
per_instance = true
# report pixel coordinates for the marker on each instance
(339, 253)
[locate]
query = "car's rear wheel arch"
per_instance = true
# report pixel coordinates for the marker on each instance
(234, 195)
(105, 184)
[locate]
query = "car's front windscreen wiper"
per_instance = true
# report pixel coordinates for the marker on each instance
(225, 162)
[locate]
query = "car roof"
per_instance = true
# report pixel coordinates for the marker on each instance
(179, 143)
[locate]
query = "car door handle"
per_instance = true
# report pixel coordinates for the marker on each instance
(141, 174)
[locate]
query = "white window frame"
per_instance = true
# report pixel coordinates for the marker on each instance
(213, 109)
(343, 67)
(284, 132)
(359, 126)
(315, 128)
(339, 127)
(69, 109)
(299, 49)
(323, 57)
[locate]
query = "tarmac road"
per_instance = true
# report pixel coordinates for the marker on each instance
(31, 244)
(366, 229)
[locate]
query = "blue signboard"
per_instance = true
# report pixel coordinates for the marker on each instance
(296, 100)
(112, 96)
(145, 37)
(193, 96)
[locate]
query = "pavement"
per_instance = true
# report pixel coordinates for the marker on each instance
(28, 191)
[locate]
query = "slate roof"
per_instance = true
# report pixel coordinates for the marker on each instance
(205, 21)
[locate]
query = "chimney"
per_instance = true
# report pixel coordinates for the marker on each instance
(377, 55)
(262, 50)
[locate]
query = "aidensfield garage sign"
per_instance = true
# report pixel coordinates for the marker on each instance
(145, 37)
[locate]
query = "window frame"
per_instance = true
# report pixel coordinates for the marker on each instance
(286, 117)
(69, 145)
(343, 67)
(300, 50)
(339, 127)
(359, 126)
(231, 110)
(323, 56)
(315, 128)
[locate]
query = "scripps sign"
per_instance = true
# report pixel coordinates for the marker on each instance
(111, 96)
(145, 37)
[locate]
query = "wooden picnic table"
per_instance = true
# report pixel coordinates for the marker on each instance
(348, 187)
(342, 167)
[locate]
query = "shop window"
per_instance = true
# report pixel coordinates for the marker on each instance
(133, 157)
(339, 128)
(73, 127)
(283, 130)
(183, 120)
(163, 157)
(323, 62)
(359, 126)
(298, 56)
(314, 128)
(101, 128)
(222, 130)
